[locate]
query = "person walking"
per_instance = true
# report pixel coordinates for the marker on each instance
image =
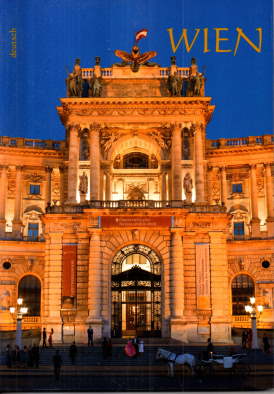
(244, 340)
(44, 337)
(50, 337)
(73, 352)
(57, 363)
(90, 336)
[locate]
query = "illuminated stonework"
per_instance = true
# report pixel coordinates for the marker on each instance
(137, 179)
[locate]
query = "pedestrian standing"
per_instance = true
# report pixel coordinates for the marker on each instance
(57, 363)
(249, 339)
(44, 337)
(24, 357)
(244, 340)
(105, 347)
(209, 349)
(35, 355)
(141, 346)
(73, 352)
(266, 344)
(109, 348)
(50, 337)
(8, 357)
(90, 336)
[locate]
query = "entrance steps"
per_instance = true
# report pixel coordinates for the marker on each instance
(94, 356)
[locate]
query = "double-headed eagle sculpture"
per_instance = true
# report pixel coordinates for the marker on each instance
(135, 58)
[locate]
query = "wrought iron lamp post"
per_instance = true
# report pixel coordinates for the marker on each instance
(253, 309)
(18, 313)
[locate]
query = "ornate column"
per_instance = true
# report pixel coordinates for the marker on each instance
(73, 164)
(94, 162)
(108, 189)
(3, 197)
(255, 222)
(176, 156)
(61, 184)
(48, 185)
(269, 200)
(224, 186)
(16, 222)
(177, 285)
(95, 283)
(163, 181)
(199, 163)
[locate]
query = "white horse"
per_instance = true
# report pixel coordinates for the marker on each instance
(173, 358)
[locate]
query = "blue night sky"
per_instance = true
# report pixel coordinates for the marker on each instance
(52, 33)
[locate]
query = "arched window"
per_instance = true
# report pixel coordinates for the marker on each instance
(242, 290)
(30, 290)
(135, 160)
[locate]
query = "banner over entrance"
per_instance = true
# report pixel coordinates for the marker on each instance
(135, 221)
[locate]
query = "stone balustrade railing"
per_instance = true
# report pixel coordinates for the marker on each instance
(31, 143)
(135, 204)
(221, 143)
(107, 72)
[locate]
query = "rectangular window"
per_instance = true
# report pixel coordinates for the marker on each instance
(239, 228)
(237, 187)
(33, 229)
(34, 189)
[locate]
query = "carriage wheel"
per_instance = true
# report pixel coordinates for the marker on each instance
(203, 369)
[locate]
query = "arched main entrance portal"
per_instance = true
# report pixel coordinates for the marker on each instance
(136, 292)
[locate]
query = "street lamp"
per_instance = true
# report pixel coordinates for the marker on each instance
(17, 313)
(252, 308)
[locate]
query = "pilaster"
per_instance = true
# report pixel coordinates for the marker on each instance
(94, 283)
(269, 200)
(48, 185)
(16, 222)
(52, 284)
(74, 142)
(3, 198)
(199, 163)
(224, 185)
(220, 313)
(94, 162)
(176, 152)
(255, 221)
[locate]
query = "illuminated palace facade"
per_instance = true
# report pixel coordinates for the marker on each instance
(137, 223)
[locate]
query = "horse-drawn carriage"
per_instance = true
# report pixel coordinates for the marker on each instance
(236, 363)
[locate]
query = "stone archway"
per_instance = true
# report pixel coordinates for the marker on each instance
(136, 292)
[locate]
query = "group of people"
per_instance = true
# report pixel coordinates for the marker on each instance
(46, 338)
(134, 347)
(22, 358)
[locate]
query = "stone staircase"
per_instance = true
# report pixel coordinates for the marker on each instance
(88, 356)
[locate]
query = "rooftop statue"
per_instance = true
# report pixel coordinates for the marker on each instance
(135, 58)
(74, 81)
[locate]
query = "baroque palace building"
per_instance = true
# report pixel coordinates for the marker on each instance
(137, 223)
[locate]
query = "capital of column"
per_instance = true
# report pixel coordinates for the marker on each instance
(48, 169)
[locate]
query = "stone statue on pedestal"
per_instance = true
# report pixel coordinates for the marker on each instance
(188, 185)
(83, 186)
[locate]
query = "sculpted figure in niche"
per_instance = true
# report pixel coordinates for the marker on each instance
(74, 81)
(83, 184)
(154, 161)
(5, 300)
(188, 185)
(117, 161)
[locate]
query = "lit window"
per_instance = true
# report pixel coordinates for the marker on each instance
(237, 188)
(33, 231)
(242, 290)
(34, 189)
(239, 228)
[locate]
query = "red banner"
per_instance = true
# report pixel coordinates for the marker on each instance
(135, 221)
(69, 270)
